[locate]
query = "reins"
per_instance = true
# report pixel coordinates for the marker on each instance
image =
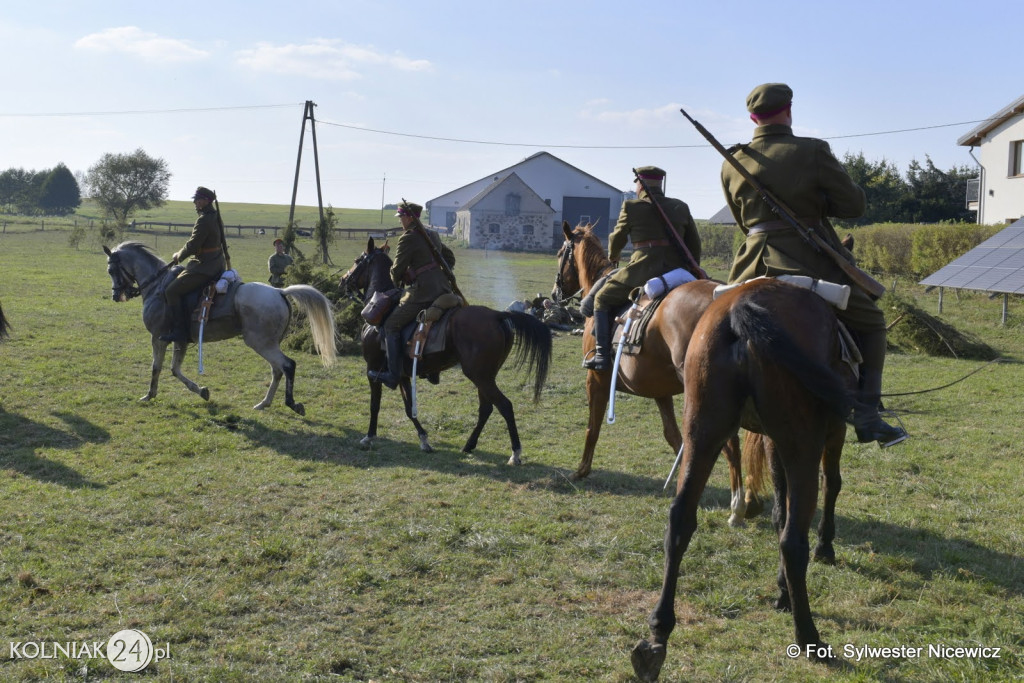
(136, 289)
(1000, 359)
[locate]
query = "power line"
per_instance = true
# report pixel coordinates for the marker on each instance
(149, 111)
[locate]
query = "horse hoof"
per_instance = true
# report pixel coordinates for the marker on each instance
(755, 506)
(204, 393)
(647, 659)
(824, 555)
(259, 406)
(516, 458)
(299, 408)
(145, 398)
(578, 476)
(366, 441)
(736, 522)
(425, 445)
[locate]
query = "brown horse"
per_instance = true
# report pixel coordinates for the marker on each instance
(5, 327)
(656, 371)
(765, 356)
(477, 338)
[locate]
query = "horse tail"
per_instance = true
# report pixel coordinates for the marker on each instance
(754, 323)
(532, 340)
(754, 462)
(318, 311)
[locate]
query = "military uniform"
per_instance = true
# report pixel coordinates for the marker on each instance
(804, 175)
(655, 252)
(207, 262)
(277, 264)
(416, 268)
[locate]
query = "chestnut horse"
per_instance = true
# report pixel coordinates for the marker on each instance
(656, 371)
(479, 339)
(765, 356)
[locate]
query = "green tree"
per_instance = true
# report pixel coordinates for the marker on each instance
(884, 188)
(60, 194)
(124, 183)
(323, 233)
(936, 195)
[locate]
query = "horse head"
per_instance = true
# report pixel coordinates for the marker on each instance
(368, 273)
(581, 261)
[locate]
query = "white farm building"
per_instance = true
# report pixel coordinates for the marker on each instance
(522, 207)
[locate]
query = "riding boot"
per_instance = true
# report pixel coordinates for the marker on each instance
(393, 348)
(868, 424)
(602, 359)
(179, 327)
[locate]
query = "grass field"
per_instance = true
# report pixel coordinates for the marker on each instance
(267, 546)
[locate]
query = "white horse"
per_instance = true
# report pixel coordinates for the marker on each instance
(260, 315)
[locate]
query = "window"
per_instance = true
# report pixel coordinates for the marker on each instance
(1016, 158)
(527, 229)
(512, 204)
(493, 228)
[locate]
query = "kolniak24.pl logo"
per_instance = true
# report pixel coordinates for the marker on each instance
(127, 650)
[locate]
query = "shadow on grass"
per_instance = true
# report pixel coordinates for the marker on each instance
(345, 449)
(20, 437)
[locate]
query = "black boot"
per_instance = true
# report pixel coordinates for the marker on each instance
(868, 424)
(179, 327)
(390, 377)
(602, 359)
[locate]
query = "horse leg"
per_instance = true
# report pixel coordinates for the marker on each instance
(832, 483)
(598, 385)
(371, 431)
(405, 385)
(737, 500)
(176, 358)
(483, 412)
(800, 470)
(159, 352)
(648, 656)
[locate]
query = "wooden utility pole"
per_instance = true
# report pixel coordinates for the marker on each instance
(307, 113)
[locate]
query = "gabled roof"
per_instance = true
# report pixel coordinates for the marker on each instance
(502, 181)
(505, 171)
(995, 265)
(974, 138)
(723, 217)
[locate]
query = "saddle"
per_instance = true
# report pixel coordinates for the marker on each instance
(213, 303)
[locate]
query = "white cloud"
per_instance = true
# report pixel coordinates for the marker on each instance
(134, 41)
(633, 117)
(324, 59)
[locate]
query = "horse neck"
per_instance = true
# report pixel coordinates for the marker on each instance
(143, 269)
(591, 263)
(380, 277)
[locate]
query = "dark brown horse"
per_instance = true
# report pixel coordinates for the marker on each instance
(5, 327)
(657, 370)
(479, 339)
(764, 356)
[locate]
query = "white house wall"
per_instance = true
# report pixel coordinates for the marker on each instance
(1002, 198)
(549, 177)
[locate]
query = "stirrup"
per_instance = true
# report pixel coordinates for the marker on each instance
(594, 361)
(895, 434)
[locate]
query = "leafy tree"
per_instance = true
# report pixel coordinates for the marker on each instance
(937, 195)
(60, 194)
(124, 183)
(884, 187)
(19, 189)
(323, 233)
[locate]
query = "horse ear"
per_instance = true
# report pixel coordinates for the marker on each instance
(107, 251)
(567, 230)
(369, 244)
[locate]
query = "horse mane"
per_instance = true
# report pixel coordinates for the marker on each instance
(144, 249)
(592, 253)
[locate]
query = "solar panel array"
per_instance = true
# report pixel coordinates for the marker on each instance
(995, 265)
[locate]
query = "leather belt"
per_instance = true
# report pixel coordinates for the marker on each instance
(650, 243)
(208, 251)
(777, 225)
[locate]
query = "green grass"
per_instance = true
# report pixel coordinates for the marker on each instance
(268, 546)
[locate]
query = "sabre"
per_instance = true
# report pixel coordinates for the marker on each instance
(679, 456)
(414, 410)
(615, 366)
(202, 324)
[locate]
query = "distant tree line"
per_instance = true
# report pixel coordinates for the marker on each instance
(925, 194)
(50, 192)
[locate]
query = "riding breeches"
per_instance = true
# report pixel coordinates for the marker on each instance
(182, 285)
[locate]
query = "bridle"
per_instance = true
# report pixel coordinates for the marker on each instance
(125, 286)
(567, 257)
(359, 266)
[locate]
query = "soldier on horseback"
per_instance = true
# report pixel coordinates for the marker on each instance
(803, 173)
(424, 278)
(655, 253)
(206, 247)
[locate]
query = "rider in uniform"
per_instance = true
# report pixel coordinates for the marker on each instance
(205, 246)
(278, 263)
(424, 280)
(803, 174)
(654, 253)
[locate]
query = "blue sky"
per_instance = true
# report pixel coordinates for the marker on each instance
(217, 88)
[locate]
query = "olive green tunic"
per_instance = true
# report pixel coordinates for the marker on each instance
(805, 176)
(640, 221)
(278, 263)
(207, 263)
(424, 283)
